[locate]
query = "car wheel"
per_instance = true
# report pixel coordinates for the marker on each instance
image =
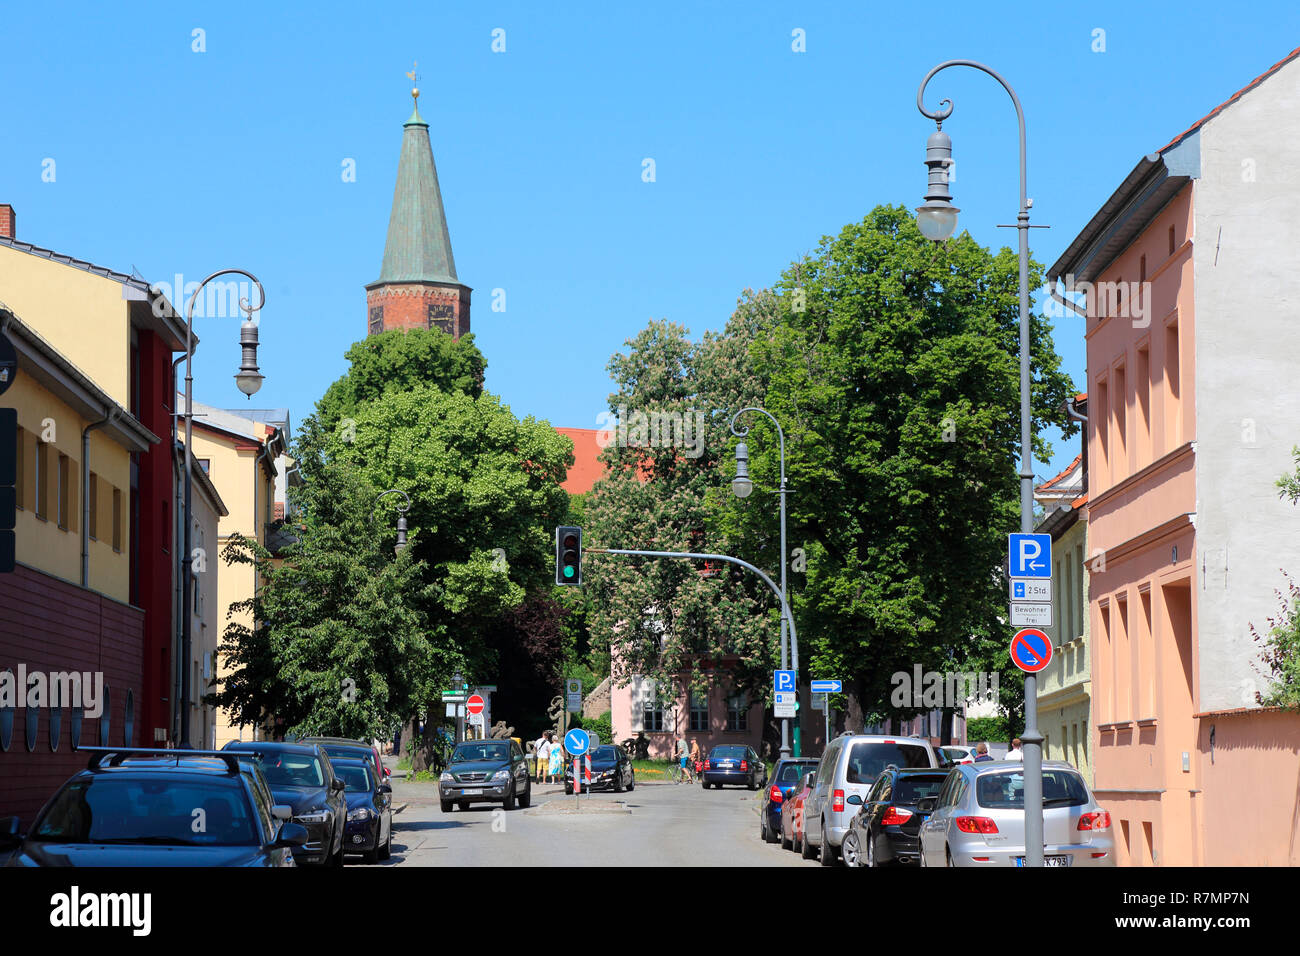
(447, 805)
(464, 805)
(631, 782)
(618, 784)
(786, 842)
(805, 848)
(871, 850)
(527, 798)
(387, 851)
(850, 850)
(828, 856)
(509, 801)
(568, 791)
(372, 856)
(337, 859)
(947, 858)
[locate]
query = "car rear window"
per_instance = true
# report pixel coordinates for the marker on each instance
(910, 790)
(355, 777)
(729, 753)
(793, 772)
(180, 812)
(868, 758)
(1006, 790)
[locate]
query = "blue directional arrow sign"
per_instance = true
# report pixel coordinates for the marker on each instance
(576, 742)
(783, 681)
(827, 686)
(1029, 555)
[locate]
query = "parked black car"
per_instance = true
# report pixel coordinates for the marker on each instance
(886, 828)
(785, 780)
(145, 807)
(301, 776)
(486, 771)
(369, 829)
(611, 769)
(734, 764)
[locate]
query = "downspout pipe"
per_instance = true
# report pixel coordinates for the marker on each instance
(109, 415)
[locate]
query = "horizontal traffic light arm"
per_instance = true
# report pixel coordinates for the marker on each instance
(785, 608)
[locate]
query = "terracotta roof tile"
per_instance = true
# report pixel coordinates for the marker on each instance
(1233, 98)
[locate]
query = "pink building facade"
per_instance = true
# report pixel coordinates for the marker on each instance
(1193, 377)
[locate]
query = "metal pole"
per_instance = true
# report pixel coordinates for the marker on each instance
(1031, 738)
(187, 557)
(785, 721)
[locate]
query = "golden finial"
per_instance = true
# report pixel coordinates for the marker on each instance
(415, 91)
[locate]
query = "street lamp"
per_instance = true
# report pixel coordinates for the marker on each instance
(932, 219)
(401, 515)
(249, 381)
(741, 487)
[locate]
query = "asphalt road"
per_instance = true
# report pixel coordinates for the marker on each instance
(669, 825)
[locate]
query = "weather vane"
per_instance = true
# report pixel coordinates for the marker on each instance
(415, 90)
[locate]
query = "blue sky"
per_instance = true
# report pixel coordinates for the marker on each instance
(171, 161)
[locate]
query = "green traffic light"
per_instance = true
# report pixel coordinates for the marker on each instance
(568, 570)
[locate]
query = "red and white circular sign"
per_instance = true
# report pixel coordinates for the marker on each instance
(475, 704)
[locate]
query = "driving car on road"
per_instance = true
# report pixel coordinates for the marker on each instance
(300, 776)
(785, 778)
(978, 818)
(850, 766)
(485, 771)
(146, 807)
(885, 828)
(369, 829)
(735, 765)
(792, 810)
(611, 769)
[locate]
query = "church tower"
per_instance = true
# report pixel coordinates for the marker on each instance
(417, 286)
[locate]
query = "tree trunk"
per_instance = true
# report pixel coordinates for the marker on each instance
(854, 719)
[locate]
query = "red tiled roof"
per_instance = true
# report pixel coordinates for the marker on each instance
(1233, 98)
(1079, 502)
(1068, 468)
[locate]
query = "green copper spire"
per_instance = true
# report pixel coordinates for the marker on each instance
(418, 247)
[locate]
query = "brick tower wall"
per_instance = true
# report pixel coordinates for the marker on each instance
(418, 305)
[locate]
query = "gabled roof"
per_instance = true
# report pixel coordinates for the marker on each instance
(418, 248)
(1232, 99)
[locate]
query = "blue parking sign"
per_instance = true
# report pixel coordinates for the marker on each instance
(1029, 555)
(783, 681)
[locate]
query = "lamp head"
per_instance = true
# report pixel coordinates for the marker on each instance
(937, 217)
(248, 378)
(741, 486)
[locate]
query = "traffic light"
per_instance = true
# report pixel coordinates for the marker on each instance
(568, 555)
(8, 493)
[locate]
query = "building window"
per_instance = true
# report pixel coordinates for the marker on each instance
(20, 489)
(376, 319)
(42, 489)
(117, 519)
(1142, 388)
(205, 464)
(63, 491)
(1119, 387)
(652, 714)
(737, 712)
(1103, 431)
(699, 712)
(1171, 240)
(93, 494)
(1173, 378)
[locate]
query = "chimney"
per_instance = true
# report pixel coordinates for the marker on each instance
(7, 217)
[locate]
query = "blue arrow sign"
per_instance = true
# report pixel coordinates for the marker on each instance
(576, 742)
(783, 681)
(827, 686)
(1029, 555)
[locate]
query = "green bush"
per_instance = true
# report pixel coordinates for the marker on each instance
(980, 729)
(602, 725)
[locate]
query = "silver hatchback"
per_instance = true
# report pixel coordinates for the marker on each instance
(979, 818)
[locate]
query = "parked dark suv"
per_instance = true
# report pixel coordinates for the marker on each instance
(485, 771)
(887, 826)
(146, 807)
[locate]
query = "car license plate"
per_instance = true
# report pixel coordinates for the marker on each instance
(471, 793)
(726, 765)
(1047, 861)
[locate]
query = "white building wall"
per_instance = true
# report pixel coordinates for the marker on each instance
(1247, 352)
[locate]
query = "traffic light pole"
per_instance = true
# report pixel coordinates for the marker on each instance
(785, 608)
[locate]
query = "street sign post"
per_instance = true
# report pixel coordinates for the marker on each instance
(474, 705)
(1031, 615)
(785, 700)
(783, 681)
(827, 686)
(1031, 589)
(577, 742)
(573, 695)
(1029, 555)
(1031, 650)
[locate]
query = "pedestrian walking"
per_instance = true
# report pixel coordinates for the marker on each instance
(683, 756)
(982, 752)
(1015, 753)
(556, 768)
(543, 749)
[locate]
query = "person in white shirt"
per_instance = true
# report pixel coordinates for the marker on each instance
(542, 748)
(1015, 753)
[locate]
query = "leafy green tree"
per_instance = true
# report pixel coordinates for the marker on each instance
(894, 370)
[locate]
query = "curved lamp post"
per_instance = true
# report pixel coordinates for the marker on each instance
(401, 515)
(741, 487)
(937, 219)
(249, 381)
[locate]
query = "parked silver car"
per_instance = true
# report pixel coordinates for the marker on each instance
(850, 765)
(978, 818)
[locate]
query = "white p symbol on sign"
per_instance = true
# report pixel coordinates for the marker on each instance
(1029, 550)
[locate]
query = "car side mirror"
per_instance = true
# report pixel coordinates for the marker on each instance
(337, 784)
(927, 804)
(10, 832)
(855, 800)
(291, 835)
(282, 811)
(385, 788)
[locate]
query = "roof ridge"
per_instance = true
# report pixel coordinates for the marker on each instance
(1231, 99)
